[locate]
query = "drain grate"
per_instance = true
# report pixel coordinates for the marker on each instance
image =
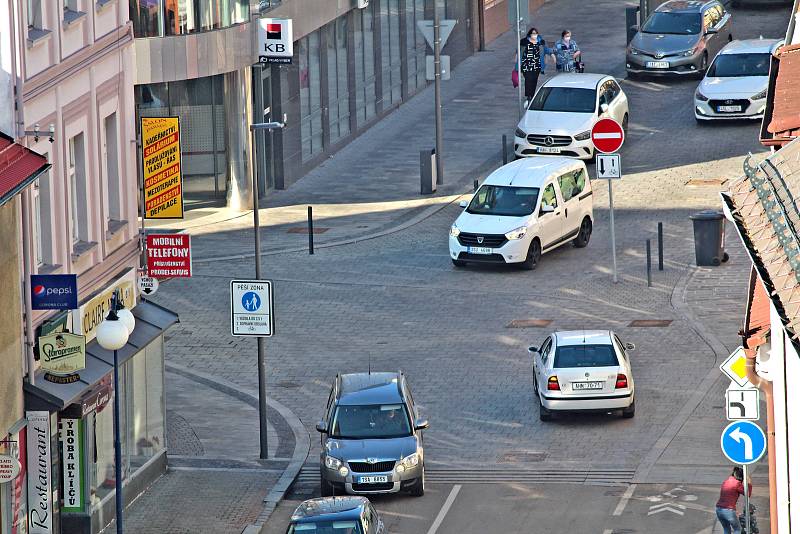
(706, 181)
(522, 457)
(304, 230)
(529, 323)
(650, 323)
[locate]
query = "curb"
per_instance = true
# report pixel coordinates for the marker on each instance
(302, 438)
(678, 302)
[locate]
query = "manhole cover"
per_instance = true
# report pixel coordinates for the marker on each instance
(304, 230)
(288, 384)
(522, 457)
(706, 181)
(650, 322)
(529, 323)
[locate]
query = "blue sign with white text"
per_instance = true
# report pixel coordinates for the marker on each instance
(743, 442)
(54, 291)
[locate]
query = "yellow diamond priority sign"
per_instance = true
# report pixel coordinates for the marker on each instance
(735, 368)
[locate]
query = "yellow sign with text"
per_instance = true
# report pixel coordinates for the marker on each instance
(161, 164)
(92, 312)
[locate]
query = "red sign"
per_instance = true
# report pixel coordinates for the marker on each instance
(607, 136)
(169, 256)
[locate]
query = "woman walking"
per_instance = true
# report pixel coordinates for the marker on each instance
(567, 53)
(531, 50)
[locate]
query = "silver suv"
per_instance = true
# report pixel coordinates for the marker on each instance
(371, 437)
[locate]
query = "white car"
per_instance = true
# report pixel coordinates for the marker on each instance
(560, 117)
(583, 370)
(522, 210)
(735, 85)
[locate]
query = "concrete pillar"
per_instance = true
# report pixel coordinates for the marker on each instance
(238, 89)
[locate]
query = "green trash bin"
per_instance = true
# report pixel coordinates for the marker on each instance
(709, 238)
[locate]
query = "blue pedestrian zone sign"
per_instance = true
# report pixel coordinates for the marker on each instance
(743, 442)
(251, 301)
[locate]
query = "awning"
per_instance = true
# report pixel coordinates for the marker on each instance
(19, 167)
(781, 121)
(151, 321)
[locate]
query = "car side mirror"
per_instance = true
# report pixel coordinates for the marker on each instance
(630, 346)
(546, 208)
(421, 424)
(322, 427)
(604, 108)
(533, 351)
(463, 204)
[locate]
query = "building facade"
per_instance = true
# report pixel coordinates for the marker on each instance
(69, 72)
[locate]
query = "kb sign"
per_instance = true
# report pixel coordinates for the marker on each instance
(275, 41)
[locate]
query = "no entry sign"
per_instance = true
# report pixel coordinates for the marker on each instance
(169, 256)
(607, 136)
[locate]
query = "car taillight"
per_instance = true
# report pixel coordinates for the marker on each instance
(552, 383)
(622, 381)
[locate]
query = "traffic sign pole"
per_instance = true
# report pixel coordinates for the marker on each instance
(613, 233)
(746, 500)
(607, 137)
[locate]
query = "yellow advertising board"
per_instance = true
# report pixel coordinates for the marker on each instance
(92, 312)
(161, 164)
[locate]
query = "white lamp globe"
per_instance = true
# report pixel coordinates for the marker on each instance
(126, 317)
(112, 334)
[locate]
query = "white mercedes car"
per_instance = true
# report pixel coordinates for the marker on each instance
(735, 85)
(522, 210)
(583, 370)
(560, 117)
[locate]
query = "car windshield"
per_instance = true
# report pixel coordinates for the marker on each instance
(567, 99)
(585, 356)
(674, 23)
(371, 422)
(327, 527)
(731, 65)
(504, 200)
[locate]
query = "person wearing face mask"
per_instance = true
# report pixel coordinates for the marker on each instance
(532, 50)
(567, 53)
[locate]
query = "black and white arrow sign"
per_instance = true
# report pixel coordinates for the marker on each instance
(608, 167)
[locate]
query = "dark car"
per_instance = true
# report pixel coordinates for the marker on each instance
(371, 437)
(681, 37)
(336, 515)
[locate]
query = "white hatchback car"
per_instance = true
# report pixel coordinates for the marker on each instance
(522, 210)
(583, 371)
(560, 117)
(735, 85)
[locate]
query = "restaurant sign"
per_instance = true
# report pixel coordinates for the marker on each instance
(62, 355)
(40, 509)
(92, 312)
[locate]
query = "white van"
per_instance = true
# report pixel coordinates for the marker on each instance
(522, 210)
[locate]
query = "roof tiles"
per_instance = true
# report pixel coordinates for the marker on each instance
(19, 166)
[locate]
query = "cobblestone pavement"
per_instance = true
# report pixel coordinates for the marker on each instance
(395, 301)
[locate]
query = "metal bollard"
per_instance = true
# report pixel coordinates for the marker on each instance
(660, 246)
(649, 275)
(475, 185)
(505, 150)
(310, 232)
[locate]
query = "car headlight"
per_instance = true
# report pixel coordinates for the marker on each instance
(583, 136)
(332, 463)
(454, 231)
(759, 96)
(634, 51)
(410, 461)
(687, 53)
(700, 96)
(516, 233)
(520, 133)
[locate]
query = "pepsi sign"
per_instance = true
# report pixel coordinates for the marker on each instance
(54, 291)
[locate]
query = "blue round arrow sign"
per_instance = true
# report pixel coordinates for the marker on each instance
(743, 442)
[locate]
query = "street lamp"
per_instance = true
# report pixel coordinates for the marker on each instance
(112, 334)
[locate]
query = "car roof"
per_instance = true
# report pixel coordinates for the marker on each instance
(684, 6)
(330, 508)
(587, 80)
(744, 46)
(369, 388)
(583, 337)
(533, 171)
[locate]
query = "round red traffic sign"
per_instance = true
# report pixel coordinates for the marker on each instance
(607, 135)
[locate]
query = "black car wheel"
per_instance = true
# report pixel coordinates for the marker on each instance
(703, 66)
(419, 489)
(533, 256)
(630, 411)
(544, 413)
(584, 234)
(325, 488)
(459, 263)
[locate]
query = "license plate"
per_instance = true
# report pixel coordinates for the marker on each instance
(657, 64)
(479, 250)
(586, 385)
(373, 480)
(549, 150)
(730, 109)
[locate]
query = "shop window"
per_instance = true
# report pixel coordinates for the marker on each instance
(338, 94)
(310, 96)
(390, 52)
(364, 64)
(416, 47)
(145, 405)
(99, 436)
(178, 17)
